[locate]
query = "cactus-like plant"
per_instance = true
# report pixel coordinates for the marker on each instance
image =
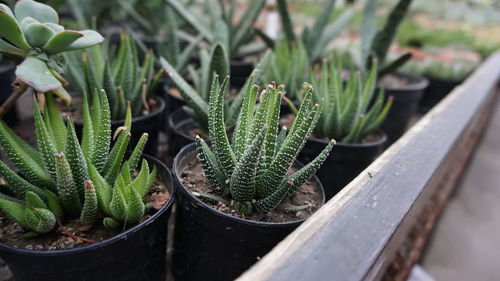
(64, 179)
(347, 114)
(253, 169)
(32, 35)
(197, 98)
(122, 76)
(314, 39)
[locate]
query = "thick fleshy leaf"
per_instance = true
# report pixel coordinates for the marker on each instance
(38, 34)
(89, 39)
(40, 12)
(36, 73)
(61, 41)
(7, 48)
(56, 27)
(10, 28)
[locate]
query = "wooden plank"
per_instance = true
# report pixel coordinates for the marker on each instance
(355, 235)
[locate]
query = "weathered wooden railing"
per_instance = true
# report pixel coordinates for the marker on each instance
(356, 235)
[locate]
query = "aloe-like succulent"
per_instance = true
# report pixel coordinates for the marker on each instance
(253, 169)
(347, 114)
(32, 35)
(121, 75)
(237, 36)
(197, 95)
(291, 72)
(64, 179)
(375, 43)
(314, 39)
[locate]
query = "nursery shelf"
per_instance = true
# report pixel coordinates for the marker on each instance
(359, 233)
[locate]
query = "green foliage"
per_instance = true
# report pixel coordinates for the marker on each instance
(314, 39)
(197, 94)
(375, 43)
(292, 72)
(32, 34)
(347, 115)
(119, 73)
(253, 168)
(237, 37)
(455, 71)
(77, 181)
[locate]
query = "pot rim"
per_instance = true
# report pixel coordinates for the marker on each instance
(175, 126)
(380, 141)
(159, 164)
(421, 82)
(188, 149)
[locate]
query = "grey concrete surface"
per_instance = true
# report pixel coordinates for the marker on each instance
(466, 241)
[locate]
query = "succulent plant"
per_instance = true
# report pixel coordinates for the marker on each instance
(120, 75)
(375, 43)
(64, 179)
(197, 98)
(291, 72)
(253, 169)
(315, 38)
(347, 114)
(237, 38)
(32, 35)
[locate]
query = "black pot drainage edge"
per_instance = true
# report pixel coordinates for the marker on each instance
(149, 123)
(240, 71)
(136, 254)
(211, 245)
(438, 89)
(404, 107)
(7, 76)
(345, 162)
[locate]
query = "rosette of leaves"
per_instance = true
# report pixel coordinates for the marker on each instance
(64, 179)
(196, 94)
(32, 35)
(253, 169)
(220, 25)
(120, 74)
(348, 114)
(315, 38)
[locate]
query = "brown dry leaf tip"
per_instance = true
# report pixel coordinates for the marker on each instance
(129, 134)
(88, 184)
(290, 181)
(3, 181)
(333, 141)
(254, 72)
(284, 128)
(216, 75)
(317, 104)
(198, 137)
(228, 76)
(118, 130)
(145, 134)
(59, 155)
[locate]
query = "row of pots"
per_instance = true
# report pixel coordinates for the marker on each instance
(208, 244)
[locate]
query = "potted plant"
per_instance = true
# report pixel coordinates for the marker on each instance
(81, 211)
(192, 119)
(237, 36)
(351, 113)
(237, 200)
(406, 89)
(32, 36)
(124, 80)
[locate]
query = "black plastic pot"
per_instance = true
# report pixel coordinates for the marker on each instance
(211, 245)
(404, 107)
(7, 76)
(150, 123)
(438, 89)
(136, 254)
(179, 123)
(240, 71)
(343, 164)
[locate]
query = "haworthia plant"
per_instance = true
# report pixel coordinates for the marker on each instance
(197, 94)
(347, 114)
(316, 38)
(33, 35)
(64, 179)
(121, 75)
(237, 37)
(253, 168)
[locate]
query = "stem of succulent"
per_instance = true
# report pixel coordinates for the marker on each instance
(21, 87)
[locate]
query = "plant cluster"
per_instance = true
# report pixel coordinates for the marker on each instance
(347, 114)
(64, 179)
(121, 74)
(253, 168)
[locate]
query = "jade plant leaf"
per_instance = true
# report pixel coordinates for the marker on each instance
(61, 41)
(38, 34)
(37, 74)
(10, 28)
(40, 12)
(89, 38)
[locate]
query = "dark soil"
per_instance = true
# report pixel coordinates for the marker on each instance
(68, 236)
(194, 180)
(395, 81)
